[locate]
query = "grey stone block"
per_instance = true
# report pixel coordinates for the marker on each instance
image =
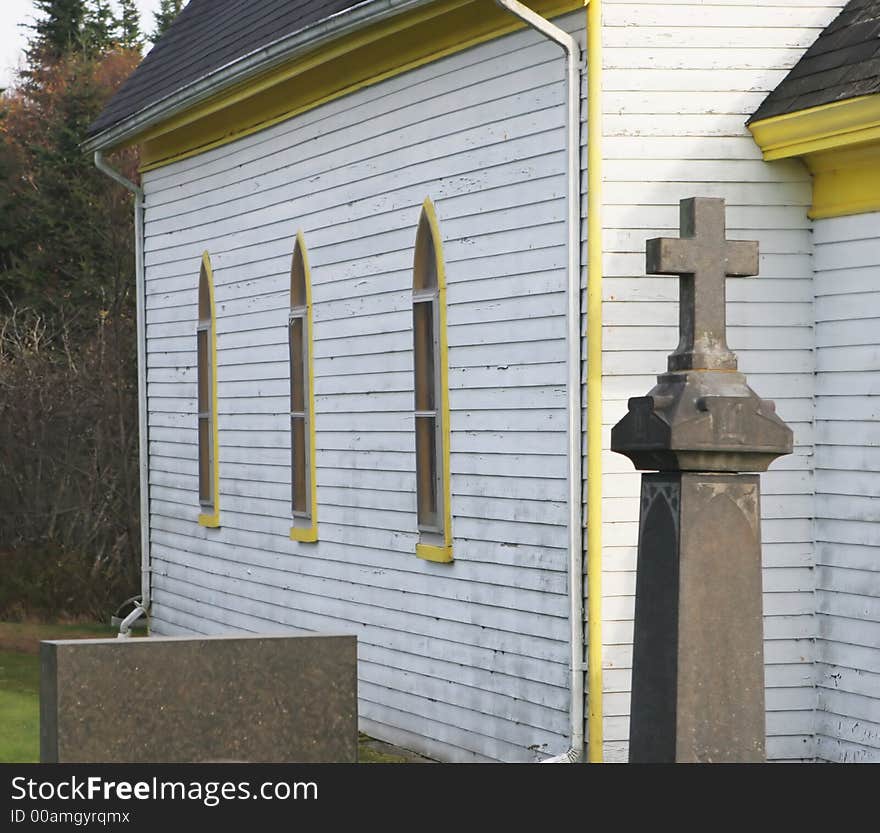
(199, 699)
(698, 652)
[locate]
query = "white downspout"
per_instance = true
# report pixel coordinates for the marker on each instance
(575, 534)
(141, 609)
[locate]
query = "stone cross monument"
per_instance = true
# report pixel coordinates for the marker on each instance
(698, 653)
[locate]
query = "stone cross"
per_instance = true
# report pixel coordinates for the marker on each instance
(701, 435)
(704, 258)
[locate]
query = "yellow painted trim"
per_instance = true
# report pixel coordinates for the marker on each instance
(829, 126)
(845, 181)
(442, 554)
(309, 534)
(595, 687)
(840, 144)
(212, 519)
(354, 61)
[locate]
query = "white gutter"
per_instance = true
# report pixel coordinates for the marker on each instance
(143, 447)
(241, 69)
(573, 338)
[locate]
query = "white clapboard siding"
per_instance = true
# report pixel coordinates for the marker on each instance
(469, 662)
(848, 487)
(464, 662)
(681, 80)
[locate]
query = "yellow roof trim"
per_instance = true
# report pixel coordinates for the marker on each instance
(840, 144)
(829, 126)
(357, 60)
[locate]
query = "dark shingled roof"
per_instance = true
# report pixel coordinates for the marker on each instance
(205, 36)
(844, 62)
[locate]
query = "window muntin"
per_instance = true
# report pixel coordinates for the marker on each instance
(431, 399)
(206, 356)
(303, 497)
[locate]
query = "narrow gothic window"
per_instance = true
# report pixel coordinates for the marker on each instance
(207, 393)
(302, 414)
(431, 393)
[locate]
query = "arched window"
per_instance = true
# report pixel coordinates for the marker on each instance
(304, 500)
(206, 341)
(433, 494)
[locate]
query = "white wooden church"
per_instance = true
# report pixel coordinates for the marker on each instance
(374, 400)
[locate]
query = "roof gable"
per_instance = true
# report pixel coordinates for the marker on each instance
(843, 63)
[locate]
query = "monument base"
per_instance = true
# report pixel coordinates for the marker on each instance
(200, 699)
(698, 661)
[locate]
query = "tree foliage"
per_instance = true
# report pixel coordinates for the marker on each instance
(65, 229)
(164, 17)
(68, 376)
(85, 27)
(59, 30)
(128, 24)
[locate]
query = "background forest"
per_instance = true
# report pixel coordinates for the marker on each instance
(69, 511)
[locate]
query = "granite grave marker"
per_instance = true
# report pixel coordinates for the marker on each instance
(698, 659)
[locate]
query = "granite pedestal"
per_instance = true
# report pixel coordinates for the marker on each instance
(199, 699)
(698, 692)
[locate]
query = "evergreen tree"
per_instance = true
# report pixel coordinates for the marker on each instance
(58, 31)
(59, 257)
(98, 28)
(168, 10)
(128, 24)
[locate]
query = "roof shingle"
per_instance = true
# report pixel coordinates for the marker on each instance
(844, 62)
(205, 36)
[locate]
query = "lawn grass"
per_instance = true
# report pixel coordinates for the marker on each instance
(20, 683)
(19, 708)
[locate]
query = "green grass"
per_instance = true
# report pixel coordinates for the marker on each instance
(20, 684)
(19, 708)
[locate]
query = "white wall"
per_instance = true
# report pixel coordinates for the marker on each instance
(465, 661)
(469, 661)
(681, 80)
(848, 486)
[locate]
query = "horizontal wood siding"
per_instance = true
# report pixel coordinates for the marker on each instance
(462, 662)
(681, 80)
(848, 486)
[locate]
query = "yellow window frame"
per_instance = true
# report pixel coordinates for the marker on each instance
(305, 533)
(430, 551)
(212, 519)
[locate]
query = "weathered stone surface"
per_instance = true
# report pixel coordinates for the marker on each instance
(698, 663)
(703, 258)
(702, 421)
(702, 415)
(199, 699)
(698, 666)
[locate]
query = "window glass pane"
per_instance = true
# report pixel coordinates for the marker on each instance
(298, 280)
(297, 365)
(425, 271)
(204, 296)
(426, 471)
(206, 474)
(423, 344)
(298, 464)
(204, 374)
